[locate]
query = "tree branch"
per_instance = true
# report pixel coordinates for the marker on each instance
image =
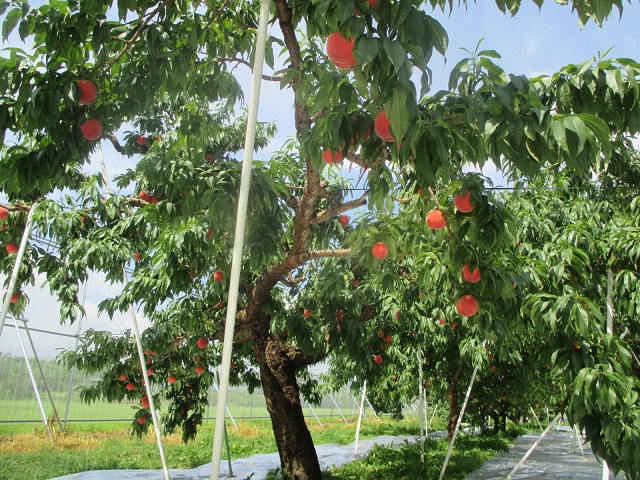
(129, 43)
(242, 61)
(338, 209)
(341, 253)
(116, 144)
(15, 208)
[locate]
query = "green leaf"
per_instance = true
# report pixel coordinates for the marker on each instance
(10, 22)
(577, 126)
(368, 49)
(438, 35)
(616, 82)
(396, 54)
(398, 113)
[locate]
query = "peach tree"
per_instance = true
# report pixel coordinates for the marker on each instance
(166, 99)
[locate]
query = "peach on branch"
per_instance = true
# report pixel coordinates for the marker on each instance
(463, 202)
(436, 219)
(471, 276)
(382, 127)
(467, 305)
(332, 157)
(340, 51)
(88, 92)
(380, 251)
(91, 129)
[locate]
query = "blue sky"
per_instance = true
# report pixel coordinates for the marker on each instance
(531, 43)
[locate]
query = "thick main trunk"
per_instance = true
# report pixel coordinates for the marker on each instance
(298, 455)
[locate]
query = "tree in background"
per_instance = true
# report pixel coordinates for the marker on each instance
(313, 285)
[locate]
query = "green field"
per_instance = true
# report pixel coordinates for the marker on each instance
(18, 402)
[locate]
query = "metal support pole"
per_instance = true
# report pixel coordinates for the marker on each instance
(104, 287)
(433, 416)
(364, 394)
(236, 263)
(577, 437)
(73, 369)
(33, 381)
(314, 414)
(44, 379)
(605, 466)
(355, 403)
(536, 417)
(457, 429)
(340, 411)
(421, 393)
(533, 447)
(371, 407)
(226, 441)
(215, 385)
(16, 266)
(136, 334)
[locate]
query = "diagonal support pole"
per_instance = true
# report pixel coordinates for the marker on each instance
(33, 381)
(16, 267)
(364, 395)
(143, 363)
(457, 429)
(44, 378)
(241, 218)
(533, 447)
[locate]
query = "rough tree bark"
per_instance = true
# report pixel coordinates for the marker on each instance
(278, 364)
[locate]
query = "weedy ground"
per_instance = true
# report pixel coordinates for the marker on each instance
(26, 451)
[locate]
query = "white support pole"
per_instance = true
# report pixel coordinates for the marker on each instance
(241, 218)
(364, 394)
(605, 466)
(16, 266)
(104, 287)
(355, 405)
(73, 369)
(426, 415)
(578, 438)
(147, 386)
(610, 302)
(314, 414)
(432, 416)
(338, 407)
(457, 429)
(136, 335)
(533, 447)
(215, 385)
(33, 381)
(421, 394)
(371, 407)
(536, 417)
(44, 379)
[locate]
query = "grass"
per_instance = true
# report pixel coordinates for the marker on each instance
(27, 409)
(26, 452)
(404, 463)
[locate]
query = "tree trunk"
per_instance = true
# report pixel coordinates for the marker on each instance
(298, 455)
(454, 406)
(496, 421)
